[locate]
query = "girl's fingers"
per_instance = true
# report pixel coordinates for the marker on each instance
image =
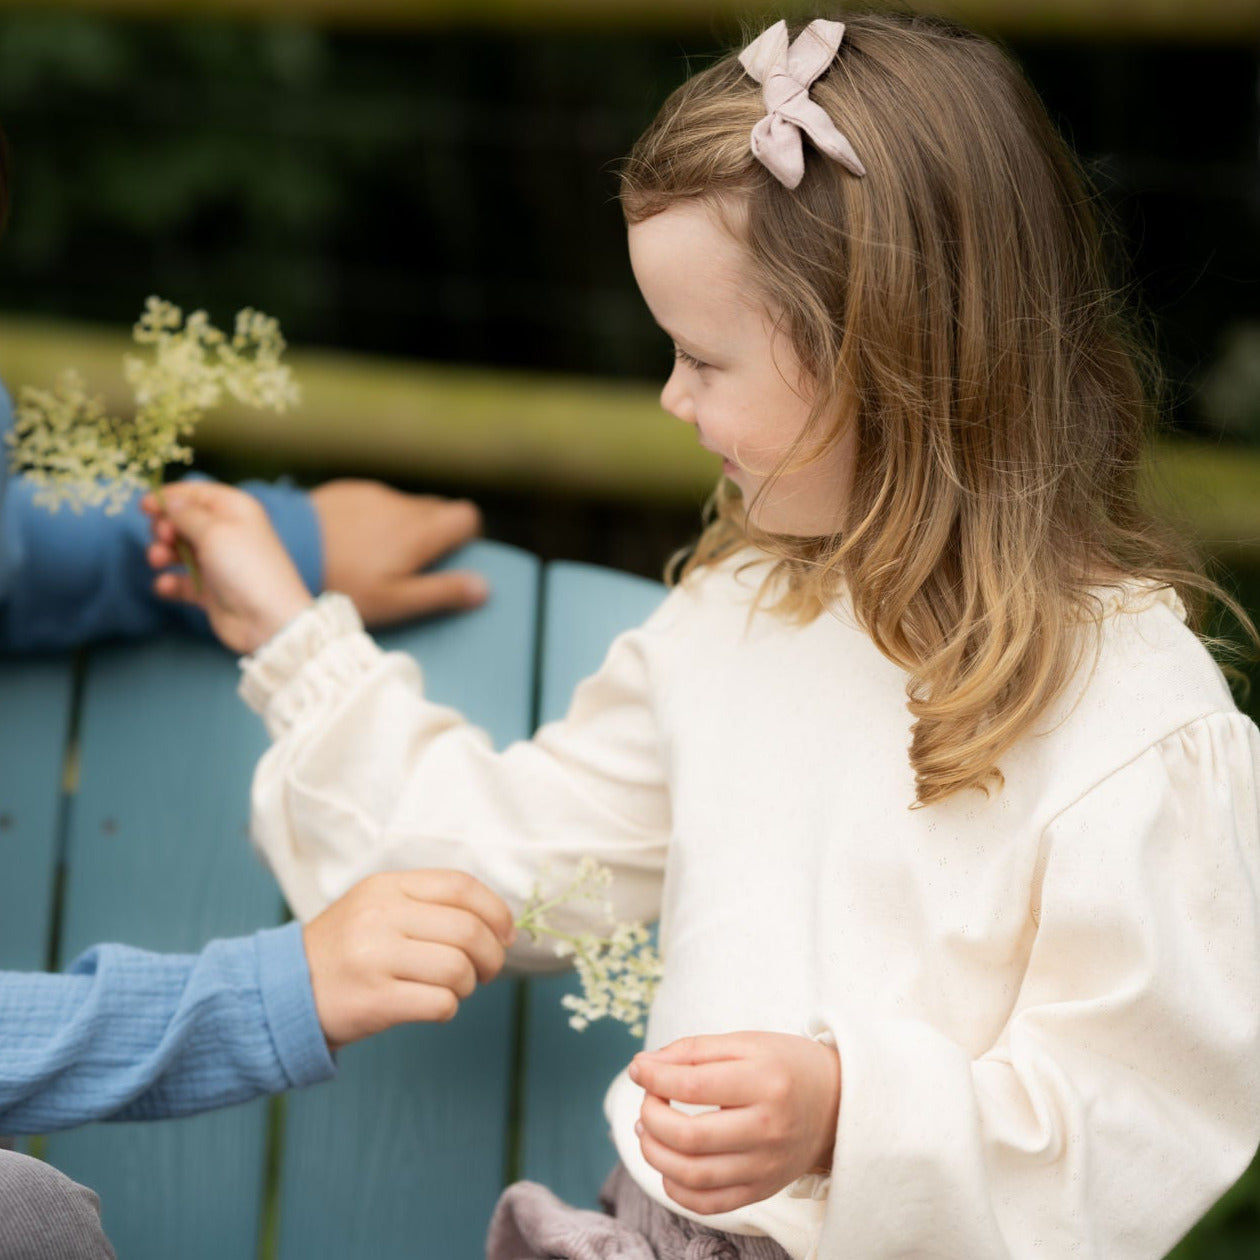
(707, 1202)
(178, 587)
(707, 1172)
(706, 1049)
(161, 555)
(724, 1083)
(193, 507)
(709, 1133)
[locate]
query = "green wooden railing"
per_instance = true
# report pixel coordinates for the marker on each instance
(490, 428)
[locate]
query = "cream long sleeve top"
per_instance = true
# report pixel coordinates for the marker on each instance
(1046, 1003)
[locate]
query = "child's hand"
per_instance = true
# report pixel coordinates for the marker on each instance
(376, 541)
(779, 1097)
(247, 584)
(403, 947)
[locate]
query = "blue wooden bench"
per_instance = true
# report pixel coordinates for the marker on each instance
(124, 778)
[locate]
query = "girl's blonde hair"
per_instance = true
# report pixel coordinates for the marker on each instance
(953, 308)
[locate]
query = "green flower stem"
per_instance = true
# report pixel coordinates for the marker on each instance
(186, 557)
(618, 973)
(579, 943)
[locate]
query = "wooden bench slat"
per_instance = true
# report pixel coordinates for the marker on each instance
(35, 696)
(403, 1156)
(564, 1138)
(158, 857)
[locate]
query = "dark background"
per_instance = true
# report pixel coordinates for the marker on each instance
(450, 195)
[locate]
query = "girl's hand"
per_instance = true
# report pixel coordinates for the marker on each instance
(247, 584)
(403, 947)
(376, 541)
(779, 1098)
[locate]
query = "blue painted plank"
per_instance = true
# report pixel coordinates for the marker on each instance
(564, 1137)
(403, 1155)
(35, 698)
(158, 857)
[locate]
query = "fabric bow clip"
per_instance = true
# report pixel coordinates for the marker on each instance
(785, 74)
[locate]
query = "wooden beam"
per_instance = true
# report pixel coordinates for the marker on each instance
(483, 427)
(477, 425)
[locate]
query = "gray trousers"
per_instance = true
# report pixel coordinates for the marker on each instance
(530, 1223)
(46, 1216)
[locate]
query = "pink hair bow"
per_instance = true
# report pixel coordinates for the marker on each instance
(785, 75)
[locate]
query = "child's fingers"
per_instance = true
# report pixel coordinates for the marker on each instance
(695, 1172)
(457, 930)
(190, 516)
(163, 531)
(193, 507)
(455, 888)
(177, 587)
(434, 963)
(705, 1049)
(727, 1083)
(708, 1202)
(427, 593)
(438, 527)
(410, 1003)
(709, 1133)
(160, 555)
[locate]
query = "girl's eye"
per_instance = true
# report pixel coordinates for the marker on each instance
(689, 359)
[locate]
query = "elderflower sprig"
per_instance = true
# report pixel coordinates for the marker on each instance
(76, 454)
(619, 972)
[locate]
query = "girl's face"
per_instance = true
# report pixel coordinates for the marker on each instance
(735, 378)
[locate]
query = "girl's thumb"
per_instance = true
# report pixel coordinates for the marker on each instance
(187, 507)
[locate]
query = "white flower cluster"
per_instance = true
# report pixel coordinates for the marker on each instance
(77, 454)
(619, 972)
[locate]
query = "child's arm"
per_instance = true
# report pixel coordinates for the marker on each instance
(129, 1035)
(366, 774)
(68, 578)
(375, 541)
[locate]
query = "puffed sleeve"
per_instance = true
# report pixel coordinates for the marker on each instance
(1123, 1095)
(366, 774)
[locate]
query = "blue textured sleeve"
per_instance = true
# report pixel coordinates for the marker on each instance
(73, 578)
(129, 1035)
(68, 578)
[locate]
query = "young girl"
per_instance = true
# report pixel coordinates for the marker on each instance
(949, 818)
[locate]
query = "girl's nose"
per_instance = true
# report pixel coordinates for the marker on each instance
(676, 399)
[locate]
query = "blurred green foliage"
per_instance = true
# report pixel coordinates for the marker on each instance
(449, 194)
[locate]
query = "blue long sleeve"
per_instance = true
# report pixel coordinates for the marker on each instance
(125, 1034)
(68, 578)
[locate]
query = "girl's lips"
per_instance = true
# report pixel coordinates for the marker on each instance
(728, 465)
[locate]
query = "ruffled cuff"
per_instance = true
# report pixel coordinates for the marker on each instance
(319, 652)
